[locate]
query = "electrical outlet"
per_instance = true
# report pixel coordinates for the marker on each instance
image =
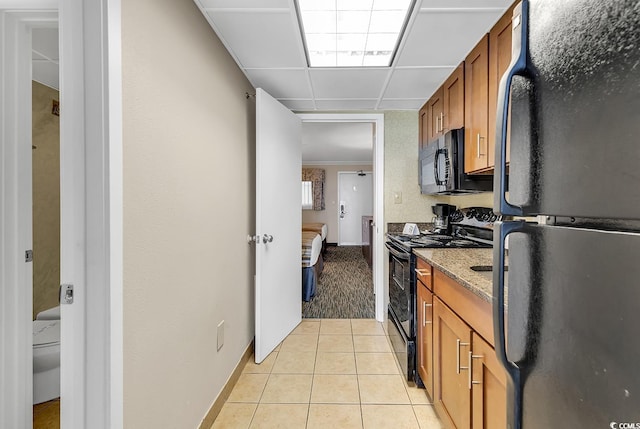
(220, 334)
(397, 197)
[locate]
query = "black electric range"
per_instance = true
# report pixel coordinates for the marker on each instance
(470, 228)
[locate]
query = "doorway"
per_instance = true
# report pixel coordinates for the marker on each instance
(377, 120)
(90, 159)
(45, 197)
(355, 194)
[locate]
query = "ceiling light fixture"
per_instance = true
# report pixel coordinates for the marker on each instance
(352, 33)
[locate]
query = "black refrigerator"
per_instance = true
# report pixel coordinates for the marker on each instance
(568, 325)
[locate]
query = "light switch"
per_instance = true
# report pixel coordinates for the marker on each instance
(397, 197)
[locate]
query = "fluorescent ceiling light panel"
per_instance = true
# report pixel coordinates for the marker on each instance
(352, 33)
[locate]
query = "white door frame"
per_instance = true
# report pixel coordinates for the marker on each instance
(340, 176)
(91, 210)
(378, 193)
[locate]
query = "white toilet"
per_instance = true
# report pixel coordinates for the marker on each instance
(50, 314)
(46, 360)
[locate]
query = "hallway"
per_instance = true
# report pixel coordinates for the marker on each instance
(327, 373)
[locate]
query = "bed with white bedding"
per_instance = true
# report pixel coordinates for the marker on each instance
(312, 263)
(318, 228)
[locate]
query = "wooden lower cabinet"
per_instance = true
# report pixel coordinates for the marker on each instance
(452, 344)
(489, 387)
(469, 382)
(425, 336)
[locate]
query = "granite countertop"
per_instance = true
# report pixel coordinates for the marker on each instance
(457, 263)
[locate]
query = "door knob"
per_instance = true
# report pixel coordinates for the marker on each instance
(267, 238)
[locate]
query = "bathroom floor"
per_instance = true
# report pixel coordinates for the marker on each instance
(328, 373)
(47, 415)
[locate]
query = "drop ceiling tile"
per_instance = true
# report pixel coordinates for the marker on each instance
(416, 83)
(281, 83)
(457, 4)
(346, 104)
(348, 83)
(245, 4)
(444, 38)
(395, 104)
(298, 105)
(262, 40)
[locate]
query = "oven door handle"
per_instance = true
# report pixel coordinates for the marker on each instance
(400, 255)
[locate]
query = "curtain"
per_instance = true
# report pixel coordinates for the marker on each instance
(316, 177)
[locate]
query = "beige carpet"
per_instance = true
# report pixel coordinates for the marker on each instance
(345, 288)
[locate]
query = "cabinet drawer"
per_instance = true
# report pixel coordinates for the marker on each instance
(471, 308)
(424, 273)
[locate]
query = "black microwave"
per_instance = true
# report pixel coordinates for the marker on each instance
(441, 168)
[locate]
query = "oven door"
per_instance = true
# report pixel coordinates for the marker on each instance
(400, 291)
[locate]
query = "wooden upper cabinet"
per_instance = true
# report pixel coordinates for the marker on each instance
(489, 387)
(476, 101)
(499, 60)
(435, 113)
(453, 95)
(423, 126)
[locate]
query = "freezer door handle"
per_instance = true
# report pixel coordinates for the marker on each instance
(500, 232)
(517, 67)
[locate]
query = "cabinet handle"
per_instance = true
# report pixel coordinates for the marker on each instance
(478, 145)
(458, 344)
(422, 273)
(471, 357)
(425, 322)
(441, 121)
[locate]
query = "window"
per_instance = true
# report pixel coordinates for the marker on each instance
(307, 195)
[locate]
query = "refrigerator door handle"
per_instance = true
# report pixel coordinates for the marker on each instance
(500, 232)
(517, 67)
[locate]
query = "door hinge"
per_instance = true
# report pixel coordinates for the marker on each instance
(28, 256)
(66, 294)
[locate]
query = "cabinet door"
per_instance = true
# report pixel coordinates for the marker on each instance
(476, 93)
(499, 59)
(424, 130)
(436, 114)
(453, 94)
(452, 343)
(489, 391)
(425, 337)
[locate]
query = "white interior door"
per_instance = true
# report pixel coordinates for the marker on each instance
(278, 215)
(355, 195)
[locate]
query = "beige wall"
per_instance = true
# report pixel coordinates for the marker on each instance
(401, 170)
(401, 173)
(46, 198)
(330, 214)
(188, 207)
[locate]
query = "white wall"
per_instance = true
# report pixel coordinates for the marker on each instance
(330, 214)
(189, 191)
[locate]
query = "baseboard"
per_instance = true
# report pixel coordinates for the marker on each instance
(215, 409)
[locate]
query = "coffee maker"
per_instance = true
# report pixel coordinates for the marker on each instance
(441, 218)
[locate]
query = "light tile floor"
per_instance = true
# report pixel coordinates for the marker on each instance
(328, 373)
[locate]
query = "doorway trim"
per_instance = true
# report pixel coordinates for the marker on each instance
(91, 211)
(378, 193)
